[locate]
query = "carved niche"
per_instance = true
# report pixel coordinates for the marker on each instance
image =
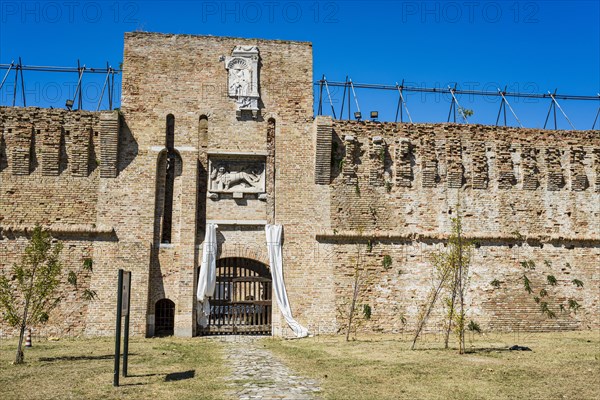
(238, 175)
(242, 80)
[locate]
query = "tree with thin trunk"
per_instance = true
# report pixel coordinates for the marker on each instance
(31, 290)
(354, 313)
(452, 268)
(355, 293)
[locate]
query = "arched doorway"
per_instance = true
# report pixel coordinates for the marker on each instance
(164, 314)
(242, 301)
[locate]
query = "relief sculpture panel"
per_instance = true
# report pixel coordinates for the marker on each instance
(236, 175)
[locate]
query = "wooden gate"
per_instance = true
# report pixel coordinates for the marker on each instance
(242, 301)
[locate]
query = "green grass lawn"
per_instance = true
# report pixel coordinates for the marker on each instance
(161, 368)
(561, 366)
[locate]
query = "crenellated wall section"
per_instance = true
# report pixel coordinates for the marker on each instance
(52, 164)
(523, 194)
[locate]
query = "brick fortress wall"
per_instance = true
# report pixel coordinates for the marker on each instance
(342, 190)
(524, 194)
(52, 163)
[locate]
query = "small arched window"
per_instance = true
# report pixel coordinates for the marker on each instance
(164, 317)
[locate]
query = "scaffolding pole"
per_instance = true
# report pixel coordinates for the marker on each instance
(402, 102)
(330, 100)
(503, 105)
(77, 101)
(417, 89)
(597, 114)
(553, 106)
(320, 108)
(12, 63)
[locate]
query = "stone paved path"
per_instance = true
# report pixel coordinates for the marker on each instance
(257, 374)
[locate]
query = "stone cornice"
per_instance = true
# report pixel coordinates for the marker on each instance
(61, 229)
(436, 236)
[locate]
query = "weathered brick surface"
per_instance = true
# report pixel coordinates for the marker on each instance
(323, 151)
(68, 319)
(530, 168)
(480, 165)
(109, 138)
(344, 192)
(349, 160)
(46, 191)
(596, 151)
(429, 163)
(579, 179)
(562, 227)
(506, 174)
(455, 169)
(555, 173)
(377, 157)
(404, 163)
(52, 140)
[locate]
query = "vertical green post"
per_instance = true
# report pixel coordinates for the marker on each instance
(118, 328)
(126, 332)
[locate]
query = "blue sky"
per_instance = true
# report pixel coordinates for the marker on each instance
(529, 46)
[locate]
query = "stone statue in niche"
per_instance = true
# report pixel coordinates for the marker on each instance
(242, 67)
(237, 176)
(239, 79)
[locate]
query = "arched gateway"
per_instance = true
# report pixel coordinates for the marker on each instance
(242, 303)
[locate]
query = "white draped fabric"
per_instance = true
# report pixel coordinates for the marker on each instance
(208, 274)
(275, 259)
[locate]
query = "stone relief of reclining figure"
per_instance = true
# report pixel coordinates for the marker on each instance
(225, 179)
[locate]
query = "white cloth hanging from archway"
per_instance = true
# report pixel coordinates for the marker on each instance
(275, 259)
(208, 274)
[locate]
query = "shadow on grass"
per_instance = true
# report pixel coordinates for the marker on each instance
(79, 358)
(487, 350)
(180, 376)
(142, 375)
(172, 377)
(467, 351)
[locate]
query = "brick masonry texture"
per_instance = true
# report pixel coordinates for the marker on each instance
(344, 192)
(531, 210)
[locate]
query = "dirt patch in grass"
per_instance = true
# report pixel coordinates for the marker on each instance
(561, 366)
(161, 368)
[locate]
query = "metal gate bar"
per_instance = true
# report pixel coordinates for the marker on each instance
(242, 303)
